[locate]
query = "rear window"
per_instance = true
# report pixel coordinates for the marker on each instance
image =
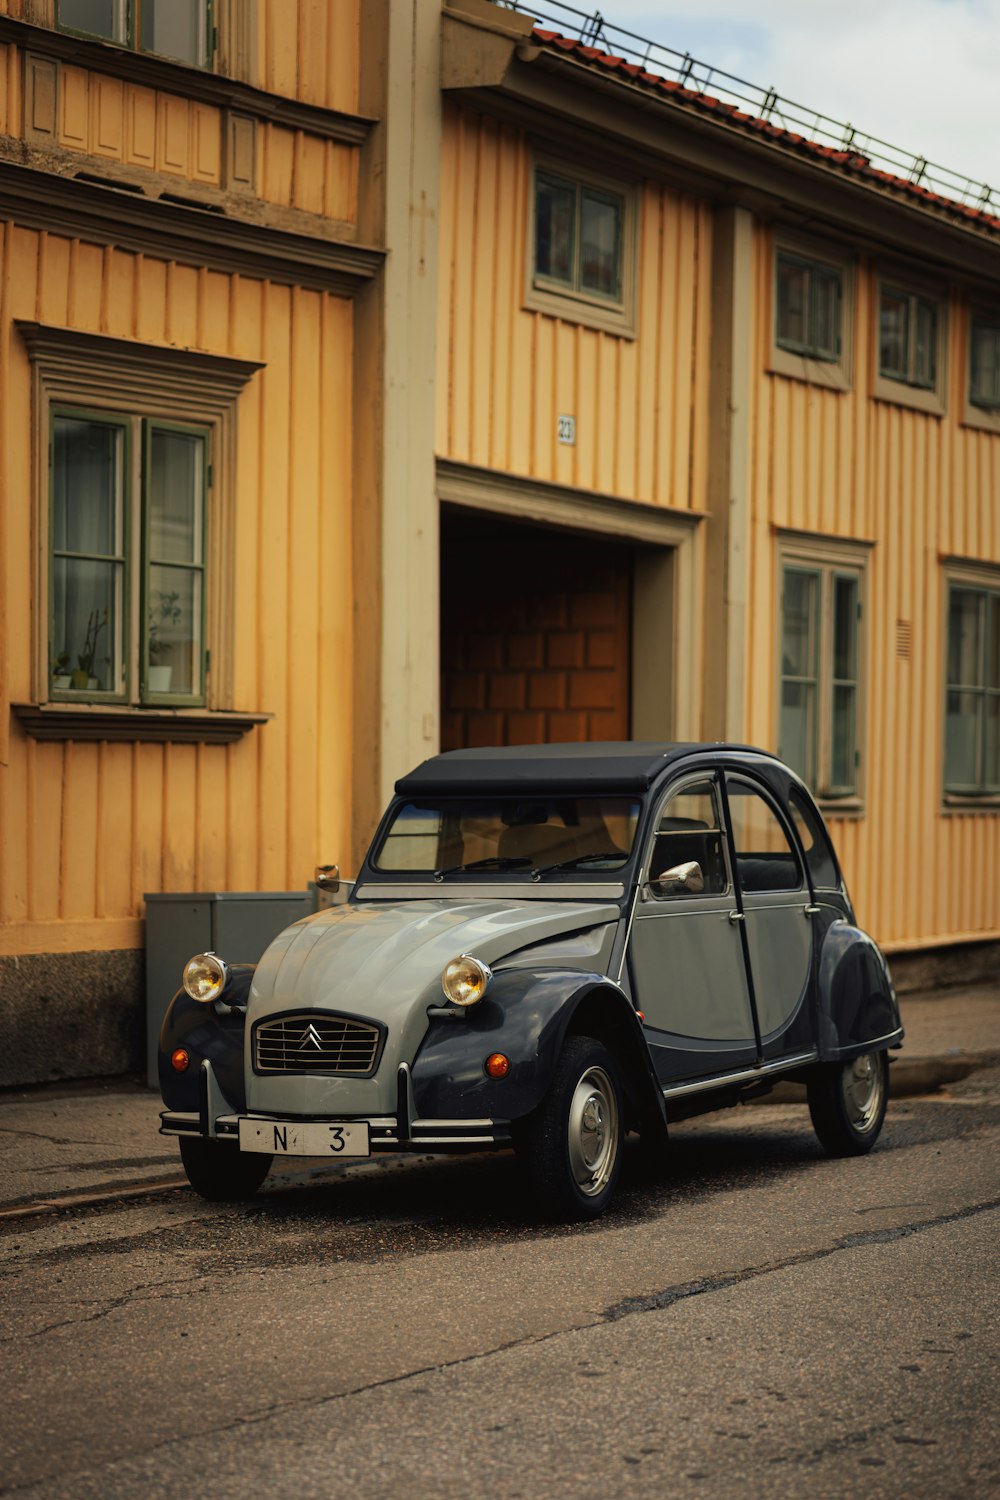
(815, 841)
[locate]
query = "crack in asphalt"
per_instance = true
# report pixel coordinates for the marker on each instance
(630, 1306)
(53, 1140)
(656, 1301)
(160, 1292)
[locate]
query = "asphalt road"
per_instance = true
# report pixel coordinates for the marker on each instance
(755, 1317)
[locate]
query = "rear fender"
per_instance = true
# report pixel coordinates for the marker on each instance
(857, 1002)
(527, 1016)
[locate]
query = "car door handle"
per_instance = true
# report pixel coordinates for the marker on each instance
(736, 916)
(811, 911)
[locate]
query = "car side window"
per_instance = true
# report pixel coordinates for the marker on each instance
(689, 834)
(765, 858)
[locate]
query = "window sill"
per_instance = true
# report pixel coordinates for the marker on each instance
(48, 721)
(955, 802)
(832, 374)
(572, 307)
(841, 807)
(981, 418)
(917, 397)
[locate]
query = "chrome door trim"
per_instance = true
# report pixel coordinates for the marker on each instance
(745, 1075)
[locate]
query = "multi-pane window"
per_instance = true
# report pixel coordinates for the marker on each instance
(808, 307)
(579, 238)
(972, 712)
(821, 674)
(908, 335)
(984, 363)
(179, 29)
(127, 557)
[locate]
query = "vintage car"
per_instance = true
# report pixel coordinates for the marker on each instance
(546, 946)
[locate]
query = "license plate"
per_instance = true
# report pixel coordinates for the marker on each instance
(293, 1138)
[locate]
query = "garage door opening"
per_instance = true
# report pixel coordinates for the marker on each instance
(536, 634)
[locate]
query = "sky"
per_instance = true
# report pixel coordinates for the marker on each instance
(923, 75)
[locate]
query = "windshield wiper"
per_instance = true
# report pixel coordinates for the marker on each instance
(492, 862)
(581, 859)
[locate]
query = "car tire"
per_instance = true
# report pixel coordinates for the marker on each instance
(572, 1144)
(222, 1173)
(847, 1103)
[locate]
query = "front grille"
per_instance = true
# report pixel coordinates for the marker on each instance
(316, 1043)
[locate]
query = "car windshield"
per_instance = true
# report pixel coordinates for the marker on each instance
(447, 836)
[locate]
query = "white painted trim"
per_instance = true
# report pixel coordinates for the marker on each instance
(410, 666)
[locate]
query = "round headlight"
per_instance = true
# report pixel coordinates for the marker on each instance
(465, 979)
(205, 977)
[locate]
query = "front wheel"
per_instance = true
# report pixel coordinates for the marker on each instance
(847, 1103)
(572, 1144)
(222, 1173)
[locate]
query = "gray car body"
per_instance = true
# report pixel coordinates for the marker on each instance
(559, 949)
(383, 961)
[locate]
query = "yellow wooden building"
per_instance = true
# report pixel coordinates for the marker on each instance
(763, 376)
(378, 377)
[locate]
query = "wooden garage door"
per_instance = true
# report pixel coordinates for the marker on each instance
(535, 629)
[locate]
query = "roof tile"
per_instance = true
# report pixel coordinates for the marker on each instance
(854, 163)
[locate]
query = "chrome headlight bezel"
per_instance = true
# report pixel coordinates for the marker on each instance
(465, 980)
(205, 978)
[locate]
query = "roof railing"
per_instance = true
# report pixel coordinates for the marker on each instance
(595, 30)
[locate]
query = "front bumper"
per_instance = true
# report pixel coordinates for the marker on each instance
(215, 1120)
(384, 1133)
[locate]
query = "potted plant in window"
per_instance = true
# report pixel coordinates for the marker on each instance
(61, 675)
(82, 676)
(161, 618)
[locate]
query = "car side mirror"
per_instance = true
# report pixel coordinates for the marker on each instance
(680, 880)
(330, 890)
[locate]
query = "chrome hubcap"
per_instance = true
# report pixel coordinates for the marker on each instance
(593, 1131)
(863, 1084)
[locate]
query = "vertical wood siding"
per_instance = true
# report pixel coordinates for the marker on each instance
(504, 374)
(137, 126)
(87, 828)
(298, 170)
(919, 487)
(310, 51)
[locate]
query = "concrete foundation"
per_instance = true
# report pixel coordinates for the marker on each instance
(941, 968)
(71, 1015)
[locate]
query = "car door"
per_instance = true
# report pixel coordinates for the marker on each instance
(777, 911)
(686, 959)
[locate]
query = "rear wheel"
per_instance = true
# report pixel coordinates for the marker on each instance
(222, 1173)
(847, 1103)
(572, 1144)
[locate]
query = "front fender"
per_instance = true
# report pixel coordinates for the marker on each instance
(526, 1015)
(214, 1032)
(857, 1000)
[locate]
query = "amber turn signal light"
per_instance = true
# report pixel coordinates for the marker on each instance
(497, 1065)
(179, 1060)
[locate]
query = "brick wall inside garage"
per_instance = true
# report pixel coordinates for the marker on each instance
(535, 635)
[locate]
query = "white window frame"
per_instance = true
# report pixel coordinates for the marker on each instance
(984, 418)
(570, 303)
(977, 578)
(98, 373)
(929, 399)
(834, 374)
(829, 558)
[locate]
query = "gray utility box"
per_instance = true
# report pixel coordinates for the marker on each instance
(237, 925)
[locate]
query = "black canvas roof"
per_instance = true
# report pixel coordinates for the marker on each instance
(609, 766)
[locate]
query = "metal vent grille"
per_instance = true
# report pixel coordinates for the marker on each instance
(904, 639)
(311, 1043)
